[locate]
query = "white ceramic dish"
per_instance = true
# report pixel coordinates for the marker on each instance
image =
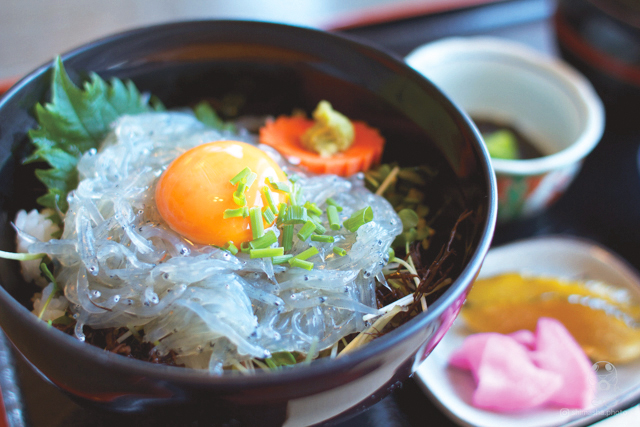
(568, 257)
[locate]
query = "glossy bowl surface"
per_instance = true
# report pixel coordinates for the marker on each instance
(270, 69)
(543, 98)
(601, 38)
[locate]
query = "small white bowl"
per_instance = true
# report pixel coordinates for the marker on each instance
(543, 98)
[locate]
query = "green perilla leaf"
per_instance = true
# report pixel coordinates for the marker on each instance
(76, 120)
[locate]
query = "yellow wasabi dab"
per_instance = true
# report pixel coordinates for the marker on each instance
(331, 134)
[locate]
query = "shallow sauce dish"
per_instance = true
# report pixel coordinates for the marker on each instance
(271, 69)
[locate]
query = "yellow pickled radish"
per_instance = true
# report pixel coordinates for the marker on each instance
(605, 320)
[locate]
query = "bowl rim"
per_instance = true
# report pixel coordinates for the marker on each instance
(618, 11)
(553, 69)
(320, 367)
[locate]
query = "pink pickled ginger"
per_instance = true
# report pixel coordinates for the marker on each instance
(523, 371)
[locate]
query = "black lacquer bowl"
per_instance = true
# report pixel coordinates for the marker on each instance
(601, 38)
(256, 68)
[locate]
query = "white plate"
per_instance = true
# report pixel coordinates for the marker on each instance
(567, 257)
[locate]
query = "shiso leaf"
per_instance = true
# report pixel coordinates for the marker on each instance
(75, 121)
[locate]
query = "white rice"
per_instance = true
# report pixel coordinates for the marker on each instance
(39, 226)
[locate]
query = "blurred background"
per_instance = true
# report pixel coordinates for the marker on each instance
(33, 31)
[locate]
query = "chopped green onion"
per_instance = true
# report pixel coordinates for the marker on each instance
(331, 202)
(334, 219)
(268, 215)
(241, 188)
(265, 241)
(257, 227)
(358, 219)
(283, 186)
(268, 196)
(294, 178)
(266, 252)
(230, 247)
(295, 215)
(322, 238)
(238, 195)
(250, 179)
(281, 259)
(339, 251)
(281, 211)
(319, 227)
(233, 213)
(313, 208)
(296, 262)
(306, 230)
(245, 212)
(287, 237)
(240, 176)
(307, 253)
(245, 247)
(294, 195)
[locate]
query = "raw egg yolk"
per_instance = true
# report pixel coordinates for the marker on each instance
(195, 190)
